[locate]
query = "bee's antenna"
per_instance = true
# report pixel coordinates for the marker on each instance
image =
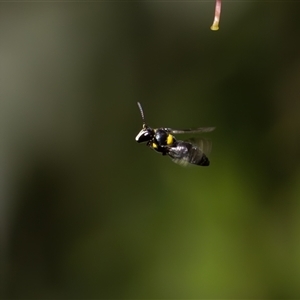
(141, 111)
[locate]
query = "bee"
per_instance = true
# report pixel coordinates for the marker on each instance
(163, 141)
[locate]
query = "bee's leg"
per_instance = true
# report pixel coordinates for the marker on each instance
(165, 150)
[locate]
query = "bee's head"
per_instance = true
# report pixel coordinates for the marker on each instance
(147, 133)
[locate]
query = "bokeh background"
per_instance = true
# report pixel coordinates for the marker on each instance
(86, 212)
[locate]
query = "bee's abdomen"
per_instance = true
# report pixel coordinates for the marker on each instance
(184, 152)
(203, 161)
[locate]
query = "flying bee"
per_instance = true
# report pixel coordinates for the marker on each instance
(163, 141)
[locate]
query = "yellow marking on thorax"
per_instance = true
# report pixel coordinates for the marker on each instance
(170, 139)
(154, 145)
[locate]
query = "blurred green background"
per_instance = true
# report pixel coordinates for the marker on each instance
(86, 212)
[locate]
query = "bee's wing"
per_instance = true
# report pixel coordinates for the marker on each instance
(205, 145)
(191, 130)
(182, 162)
(180, 153)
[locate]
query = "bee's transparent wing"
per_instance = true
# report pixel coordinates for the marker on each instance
(190, 130)
(205, 145)
(181, 162)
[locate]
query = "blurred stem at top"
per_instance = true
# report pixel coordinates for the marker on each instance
(215, 25)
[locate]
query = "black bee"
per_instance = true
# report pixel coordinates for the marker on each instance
(163, 141)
